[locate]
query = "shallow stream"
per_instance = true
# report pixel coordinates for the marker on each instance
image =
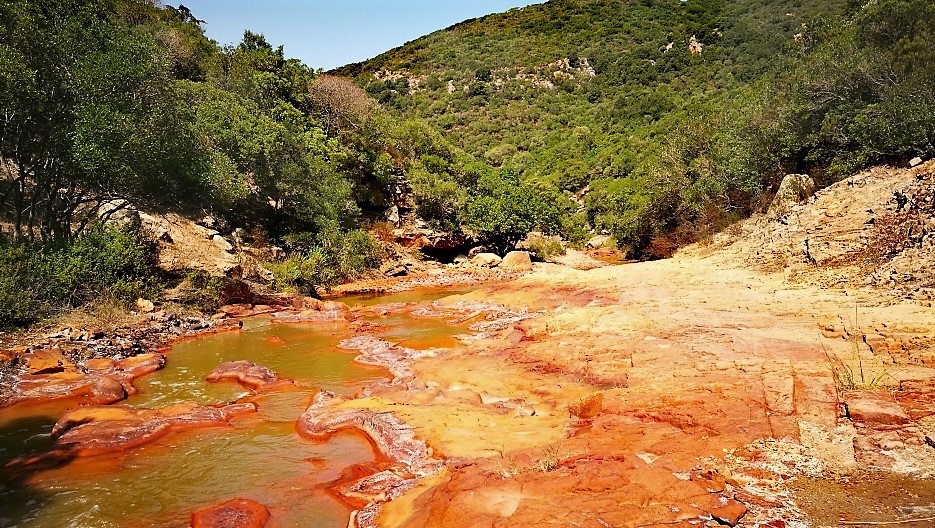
(259, 457)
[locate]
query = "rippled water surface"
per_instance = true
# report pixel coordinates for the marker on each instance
(259, 457)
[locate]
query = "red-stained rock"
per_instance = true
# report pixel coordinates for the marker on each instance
(47, 362)
(237, 513)
(712, 481)
(248, 374)
(312, 316)
(917, 398)
(237, 310)
(874, 409)
(393, 439)
(94, 388)
(729, 513)
(141, 365)
(334, 306)
(588, 407)
(101, 364)
(107, 381)
(376, 487)
(102, 429)
(306, 303)
(749, 498)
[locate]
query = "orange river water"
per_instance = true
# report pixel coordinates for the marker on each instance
(259, 457)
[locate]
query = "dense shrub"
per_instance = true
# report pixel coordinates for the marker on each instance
(502, 209)
(210, 292)
(37, 280)
(22, 295)
(542, 248)
(325, 260)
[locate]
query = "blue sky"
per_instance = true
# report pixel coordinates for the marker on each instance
(330, 33)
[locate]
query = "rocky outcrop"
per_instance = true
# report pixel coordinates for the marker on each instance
(382, 353)
(794, 189)
(437, 244)
(517, 261)
(392, 438)
(97, 382)
(184, 244)
(309, 310)
(248, 374)
(874, 228)
(95, 430)
(91, 365)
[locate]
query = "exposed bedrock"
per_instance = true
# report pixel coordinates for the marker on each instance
(97, 381)
(88, 431)
(248, 374)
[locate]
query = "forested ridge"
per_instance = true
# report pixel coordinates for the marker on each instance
(671, 119)
(658, 121)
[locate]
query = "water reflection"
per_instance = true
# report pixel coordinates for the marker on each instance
(259, 457)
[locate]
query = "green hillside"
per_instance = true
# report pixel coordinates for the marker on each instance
(607, 95)
(658, 121)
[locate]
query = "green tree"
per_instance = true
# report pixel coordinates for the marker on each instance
(88, 117)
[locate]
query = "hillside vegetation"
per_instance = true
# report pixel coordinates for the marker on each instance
(678, 117)
(658, 121)
(117, 104)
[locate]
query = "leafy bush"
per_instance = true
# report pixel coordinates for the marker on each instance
(324, 260)
(37, 280)
(438, 200)
(575, 229)
(210, 292)
(22, 295)
(542, 248)
(502, 209)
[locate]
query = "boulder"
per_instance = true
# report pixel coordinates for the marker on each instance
(392, 215)
(729, 513)
(145, 306)
(248, 374)
(599, 241)
(487, 260)
(47, 361)
(222, 243)
(795, 188)
(915, 161)
(476, 251)
(516, 261)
